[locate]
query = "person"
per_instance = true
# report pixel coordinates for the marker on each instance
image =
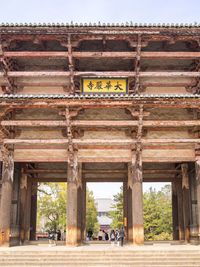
(51, 238)
(117, 237)
(121, 236)
(58, 235)
(90, 233)
(112, 237)
(106, 236)
(103, 235)
(100, 234)
(63, 235)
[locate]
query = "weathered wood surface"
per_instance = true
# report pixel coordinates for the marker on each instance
(72, 206)
(186, 200)
(6, 196)
(197, 166)
(77, 54)
(100, 123)
(100, 141)
(174, 74)
(175, 211)
(178, 183)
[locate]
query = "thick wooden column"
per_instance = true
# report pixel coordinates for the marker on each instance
(180, 209)
(23, 203)
(197, 166)
(79, 202)
(83, 219)
(137, 207)
(129, 206)
(137, 192)
(27, 222)
(186, 200)
(72, 203)
(6, 196)
(175, 212)
(125, 208)
(33, 210)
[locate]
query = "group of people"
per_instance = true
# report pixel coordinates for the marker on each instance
(102, 235)
(57, 236)
(117, 236)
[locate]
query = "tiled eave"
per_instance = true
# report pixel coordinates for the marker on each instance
(102, 25)
(96, 96)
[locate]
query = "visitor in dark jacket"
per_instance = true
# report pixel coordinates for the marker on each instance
(121, 236)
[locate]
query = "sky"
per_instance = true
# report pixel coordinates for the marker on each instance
(105, 11)
(140, 11)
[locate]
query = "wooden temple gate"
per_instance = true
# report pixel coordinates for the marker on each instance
(56, 126)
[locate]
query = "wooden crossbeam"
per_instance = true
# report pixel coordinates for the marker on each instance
(77, 54)
(102, 74)
(88, 123)
(100, 141)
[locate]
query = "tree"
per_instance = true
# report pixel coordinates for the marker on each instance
(52, 205)
(91, 213)
(52, 200)
(116, 214)
(157, 214)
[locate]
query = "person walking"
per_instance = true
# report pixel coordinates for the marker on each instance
(112, 237)
(121, 236)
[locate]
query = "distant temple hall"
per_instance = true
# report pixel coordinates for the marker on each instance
(99, 103)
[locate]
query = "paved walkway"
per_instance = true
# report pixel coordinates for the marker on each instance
(106, 247)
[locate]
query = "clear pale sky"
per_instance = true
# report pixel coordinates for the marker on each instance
(63, 11)
(149, 11)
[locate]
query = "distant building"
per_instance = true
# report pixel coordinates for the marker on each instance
(104, 205)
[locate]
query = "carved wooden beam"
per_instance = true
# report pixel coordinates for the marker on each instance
(174, 74)
(86, 123)
(85, 54)
(101, 141)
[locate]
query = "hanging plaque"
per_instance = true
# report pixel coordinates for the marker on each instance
(104, 85)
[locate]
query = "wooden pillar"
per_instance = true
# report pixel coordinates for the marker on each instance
(180, 209)
(83, 219)
(0, 180)
(197, 166)
(125, 208)
(186, 200)
(6, 196)
(79, 203)
(175, 212)
(23, 204)
(129, 206)
(72, 203)
(33, 210)
(137, 206)
(27, 229)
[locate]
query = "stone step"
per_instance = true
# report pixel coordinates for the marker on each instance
(105, 263)
(68, 256)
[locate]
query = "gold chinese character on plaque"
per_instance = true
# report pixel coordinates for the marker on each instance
(104, 85)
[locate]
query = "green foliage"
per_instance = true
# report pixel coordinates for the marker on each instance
(52, 205)
(91, 214)
(157, 214)
(52, 199)
(117, 213)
